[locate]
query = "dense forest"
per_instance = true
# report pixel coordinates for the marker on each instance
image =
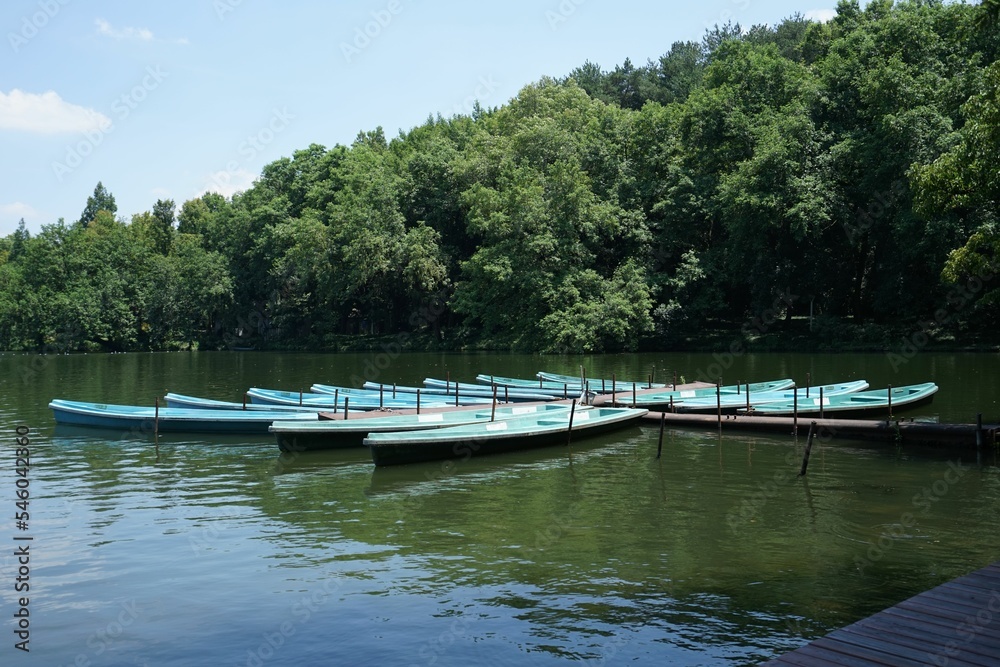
(848, 170)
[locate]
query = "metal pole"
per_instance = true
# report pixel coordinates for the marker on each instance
(809, 445)
(795, 412)
(569, 433)
(659, 446)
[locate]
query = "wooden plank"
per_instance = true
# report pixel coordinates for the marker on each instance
(954, 624)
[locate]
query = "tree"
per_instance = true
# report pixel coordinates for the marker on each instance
(101, 200)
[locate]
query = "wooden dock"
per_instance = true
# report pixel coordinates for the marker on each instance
(956, 624)
(896, 431)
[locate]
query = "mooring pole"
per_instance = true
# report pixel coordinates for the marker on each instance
(672, 408)
(456, 394)
(381, 390)
(493, 410)
(889, 393)
(156, 417)
(347, 403)
(300, 398)
(659, 446)
(506, 395)
(675, 379)
(808, 383)
(748, 398)
(336, 400)
(979, 432)
(565, 390)
(821, 402)
(809, 446)
(633, 394)
(569, 432)
(613, 388)
(244, 400)
(795, 412)
(394, 390)
(718, 401)
(418, 401)
(649, 381)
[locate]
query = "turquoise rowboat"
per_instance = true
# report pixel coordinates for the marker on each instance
(463, 442)
(869, 404)
(594, 383)
(464, 391)
(142, 419)
(550, 389)
(194, 402)
(730, 403)
(331, 402)
(661, 400)
(329, 434)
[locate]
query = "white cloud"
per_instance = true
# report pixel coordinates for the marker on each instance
(47, 114)
(228, 183)
(821, 15)
(11, 214)
(131, 34)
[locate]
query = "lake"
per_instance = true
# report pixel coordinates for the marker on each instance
(202, 550)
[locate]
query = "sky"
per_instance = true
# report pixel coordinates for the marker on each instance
(169, 100)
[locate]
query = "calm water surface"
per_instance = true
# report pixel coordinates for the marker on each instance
(218, 551)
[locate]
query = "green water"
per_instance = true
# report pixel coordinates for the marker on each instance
(218, 550)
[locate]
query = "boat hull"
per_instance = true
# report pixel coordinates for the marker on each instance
(168, 420)
(465, 446)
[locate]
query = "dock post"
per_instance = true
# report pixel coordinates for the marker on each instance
(649, 381)
(809, 445)
(506, 395)
(156, 417)
(244, 400)
(613, 392)
(447, 382)
(748, 398)
(418, 401)
(821, 402)
(300, 398)
(795, 412)
(659, 446)
(347, 403)
(456, 394)
(808, 383)
(672, 408)
(381, 391)
(739, 387)
(718, 401)
(493, 409)
(603, 389)
(569, 433)
(633, 394)
(394, 390)
(565, 390)
(979, 432)
(675, 380)
(889, 394)
(336, 400)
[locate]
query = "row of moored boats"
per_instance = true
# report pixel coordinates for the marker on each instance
(445, 419)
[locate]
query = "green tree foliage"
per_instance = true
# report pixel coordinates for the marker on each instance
(849, 164)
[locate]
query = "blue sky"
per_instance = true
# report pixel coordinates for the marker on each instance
(171, 99)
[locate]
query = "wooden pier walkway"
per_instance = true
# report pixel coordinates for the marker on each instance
(904, 432)
(956, 624)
